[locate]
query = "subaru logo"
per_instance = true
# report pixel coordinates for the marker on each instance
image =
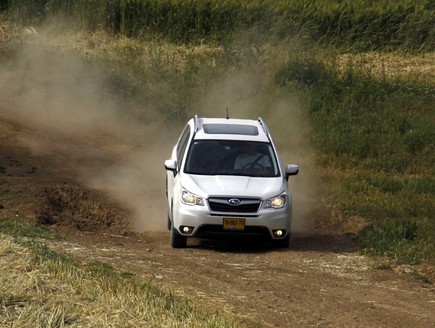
(234, 201)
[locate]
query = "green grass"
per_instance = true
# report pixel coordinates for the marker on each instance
(19, 228)
(405, 240)
(359, 25)
(375, 137)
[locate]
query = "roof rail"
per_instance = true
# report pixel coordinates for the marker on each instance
(266, 130)
(196, 123)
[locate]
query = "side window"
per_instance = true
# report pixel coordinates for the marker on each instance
(181, 148)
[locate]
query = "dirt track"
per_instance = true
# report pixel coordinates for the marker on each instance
(319, 282)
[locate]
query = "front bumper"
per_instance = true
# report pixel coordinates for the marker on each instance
(203, 223)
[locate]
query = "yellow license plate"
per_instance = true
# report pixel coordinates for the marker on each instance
(234, 224)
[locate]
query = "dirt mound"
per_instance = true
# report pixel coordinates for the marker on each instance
(43, 189)
(71, 205)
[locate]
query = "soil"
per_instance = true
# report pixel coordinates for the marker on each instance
(320, 281)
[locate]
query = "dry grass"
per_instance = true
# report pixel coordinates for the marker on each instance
(117, 50)
(29, 298)
(121, 50)
(44, 289)
(124, 51)
(143, 53)
(393, 65)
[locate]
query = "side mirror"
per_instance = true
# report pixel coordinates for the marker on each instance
(291, 169)
(171, 165)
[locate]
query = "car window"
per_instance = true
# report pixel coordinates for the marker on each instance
(248, 130)
(181, 148)
(231, 157)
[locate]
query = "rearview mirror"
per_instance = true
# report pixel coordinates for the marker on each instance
(291, 169)
(171, 165)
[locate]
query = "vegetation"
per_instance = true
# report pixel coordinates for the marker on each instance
(24, 229)
(371, 127)
(357, 25)
(34, 281)
(375, 136)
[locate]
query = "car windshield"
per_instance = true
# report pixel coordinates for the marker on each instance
(230, 157)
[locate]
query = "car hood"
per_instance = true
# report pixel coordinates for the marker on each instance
(240, 186)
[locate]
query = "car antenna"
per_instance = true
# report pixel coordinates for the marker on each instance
(228, 116)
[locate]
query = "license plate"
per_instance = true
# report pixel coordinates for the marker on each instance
(234, 224)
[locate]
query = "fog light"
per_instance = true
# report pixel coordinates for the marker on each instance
(279, 233)
(186, 229)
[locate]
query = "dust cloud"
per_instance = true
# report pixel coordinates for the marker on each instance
(66, 102)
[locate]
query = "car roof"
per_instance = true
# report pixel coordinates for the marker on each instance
(230, 129)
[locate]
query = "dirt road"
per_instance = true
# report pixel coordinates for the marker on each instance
(321, 281)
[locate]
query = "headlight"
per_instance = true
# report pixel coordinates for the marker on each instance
(276, 202)
(191, 199)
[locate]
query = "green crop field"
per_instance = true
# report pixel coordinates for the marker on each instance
(357, 25)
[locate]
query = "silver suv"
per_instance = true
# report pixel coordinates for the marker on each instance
(225, 178)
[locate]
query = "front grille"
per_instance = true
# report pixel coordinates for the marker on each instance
(212, 230)
(221, 204)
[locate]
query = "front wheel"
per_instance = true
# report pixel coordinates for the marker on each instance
(177, 240)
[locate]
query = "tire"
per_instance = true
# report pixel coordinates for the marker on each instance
(282, 243)
(169, 224)
(177, 240)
